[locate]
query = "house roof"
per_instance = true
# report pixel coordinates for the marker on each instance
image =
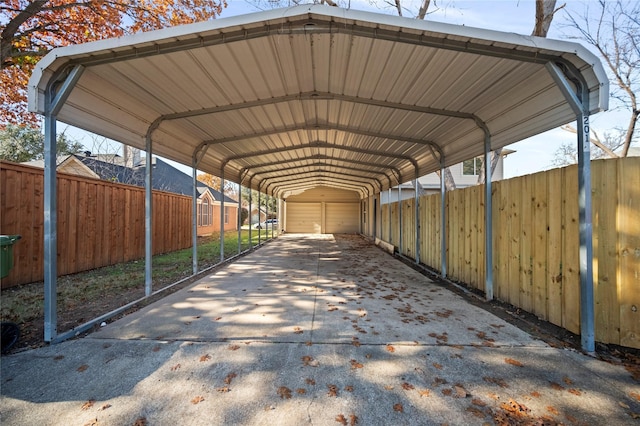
(165, 177)
(318, 95)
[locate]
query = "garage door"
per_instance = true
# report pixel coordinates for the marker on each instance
(342, 218)
(304, 218)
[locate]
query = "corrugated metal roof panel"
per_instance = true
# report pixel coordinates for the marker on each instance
(270, 92)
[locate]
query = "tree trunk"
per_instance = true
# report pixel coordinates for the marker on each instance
(495, 156)
(545, 9)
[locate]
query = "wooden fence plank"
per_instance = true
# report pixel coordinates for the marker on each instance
(515, 230)
(526, 283)
(571, 244)
(554, 246)
(629, 249)
(539, 249)
(605, 202)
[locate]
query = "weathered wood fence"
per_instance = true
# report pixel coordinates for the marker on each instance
(99, 223)
(535, 244)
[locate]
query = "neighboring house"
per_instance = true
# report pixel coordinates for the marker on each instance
(131, 171)
(464, 174)
(255, 216)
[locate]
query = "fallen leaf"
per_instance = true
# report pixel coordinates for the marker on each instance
(567, 380)
(309, 361)
(284, 392)
(333, 390)
(156, 348)
(535, 394)
(58, 357)
(424, 392)
(233, 347)
(175, 367)
(461, 392)
(301, 391)
(197, 400)
(391, 349)
(635, 395)
(478, 402)
(93, 422)
(229, 378)
(552, 410)
(438, 366)
(439, 381)
(297, 330)
(576, 392)
(223, 389)
(635, 415)
(356, 343)
(513, 362)
(88, 404)
(388, 387)
(140, 421)
(447, 392)
(355, 364)
(104, 407)
(496, 380)
(353, 420)
(476, 412)
(556, 386)
(623, 405)
(340, 418)
(310, 382)
(407, 386)
(217, 318)
(398, 407)
(348, 388)
(308, 343)
(205, 357)
(82, 368)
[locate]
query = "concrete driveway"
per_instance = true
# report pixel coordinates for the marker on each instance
(313, 330)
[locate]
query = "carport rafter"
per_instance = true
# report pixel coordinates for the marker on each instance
(313, 182)
(323, 145)
(319, 174)
(323, 167)
(326, 127)
(395, 172)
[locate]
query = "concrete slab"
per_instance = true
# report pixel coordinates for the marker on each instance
(312, 330)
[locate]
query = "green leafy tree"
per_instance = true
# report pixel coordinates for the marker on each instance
(23, 143)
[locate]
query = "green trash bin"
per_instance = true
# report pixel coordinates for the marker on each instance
(6, 253)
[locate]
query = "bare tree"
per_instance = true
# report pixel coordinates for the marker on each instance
(613, 29)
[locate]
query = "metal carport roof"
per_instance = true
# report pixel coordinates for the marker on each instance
(294, 98)
(318, 91)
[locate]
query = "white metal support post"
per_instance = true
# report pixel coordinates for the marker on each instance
(488, 216)
(194, 218)
(56, 94)
(222, 216)
(443, 225)
(417, 219)
(576, 92)
(239, 217)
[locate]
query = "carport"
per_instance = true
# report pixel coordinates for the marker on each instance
(310, 96)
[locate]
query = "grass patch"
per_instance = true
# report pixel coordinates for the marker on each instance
(87, 295)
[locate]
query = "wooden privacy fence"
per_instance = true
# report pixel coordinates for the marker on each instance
(536, 244)
(99, 223)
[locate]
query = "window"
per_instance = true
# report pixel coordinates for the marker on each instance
(226, 215)
(472, 167)
(205, 213)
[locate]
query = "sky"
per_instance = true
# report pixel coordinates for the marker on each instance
(516, 16)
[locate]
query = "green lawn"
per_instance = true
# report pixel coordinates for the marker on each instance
(87, 295)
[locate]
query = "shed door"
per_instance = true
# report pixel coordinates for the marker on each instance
(342, 218)
(304, 218)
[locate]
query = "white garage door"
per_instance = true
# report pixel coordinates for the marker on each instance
(304, 218)
(342, 218)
